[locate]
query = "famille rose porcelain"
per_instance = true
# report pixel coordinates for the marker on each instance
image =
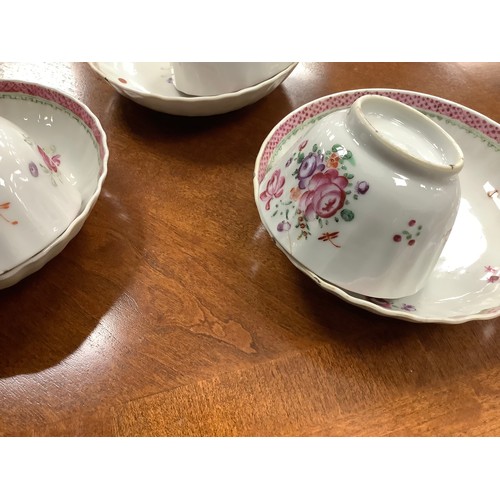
(366, 198)
(313, 186)
(151, 84)
(215, 78)
(37, 203)
(53, 162)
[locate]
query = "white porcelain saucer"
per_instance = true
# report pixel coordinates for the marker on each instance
(151, 85)
(65, 126)
(465, 284)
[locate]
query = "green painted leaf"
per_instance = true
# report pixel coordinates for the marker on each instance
(347, 215)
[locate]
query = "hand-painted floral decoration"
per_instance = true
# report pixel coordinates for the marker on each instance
(274, 188)
(324, 191)
(33, 169)
(492, 274)
(392, 304)
(410, 234)
(6, 206)
(50, 164)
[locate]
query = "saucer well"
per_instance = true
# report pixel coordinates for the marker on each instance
(465, 283)
(75, 136)
(150, 84)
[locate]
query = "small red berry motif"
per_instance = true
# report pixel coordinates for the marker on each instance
(408, 236)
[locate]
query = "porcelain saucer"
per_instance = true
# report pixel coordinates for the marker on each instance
(465, 284)
(150, 84)
(66, 127)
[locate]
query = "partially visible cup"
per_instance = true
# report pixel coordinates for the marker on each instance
(215, 78)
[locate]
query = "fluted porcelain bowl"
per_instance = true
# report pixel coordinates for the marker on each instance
(365, 198)
(53, 162)
(37, 202)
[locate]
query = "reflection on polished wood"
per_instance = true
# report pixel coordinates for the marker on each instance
(172, 313)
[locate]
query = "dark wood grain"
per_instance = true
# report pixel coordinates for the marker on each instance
(172, 313)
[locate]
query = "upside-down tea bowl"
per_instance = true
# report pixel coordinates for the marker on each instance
(365, 198)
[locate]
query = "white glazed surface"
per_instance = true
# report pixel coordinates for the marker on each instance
(214, 78)
(37, 202)
(150, 84)
(352, 205)
(78, 138)
(465, 283)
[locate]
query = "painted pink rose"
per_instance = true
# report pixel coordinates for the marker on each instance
(274, 188)
(325, 195)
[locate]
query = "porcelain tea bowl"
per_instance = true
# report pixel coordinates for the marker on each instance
(365, 198)
(216, 78)
(37, 203)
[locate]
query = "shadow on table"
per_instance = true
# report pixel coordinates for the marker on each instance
(351, 324)
(48, 315)
(397, 353)
(208, 140)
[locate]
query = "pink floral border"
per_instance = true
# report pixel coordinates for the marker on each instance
(64, 101)
(344, 99)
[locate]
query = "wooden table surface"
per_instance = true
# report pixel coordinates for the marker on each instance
(172, 313)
